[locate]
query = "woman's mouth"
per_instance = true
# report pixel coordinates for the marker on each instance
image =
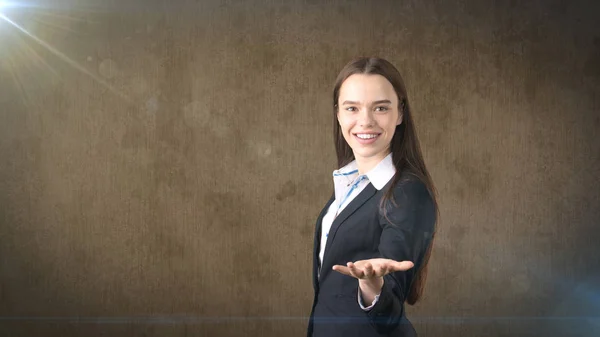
(366, 138)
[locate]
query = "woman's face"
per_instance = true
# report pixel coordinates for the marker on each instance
(368, 115)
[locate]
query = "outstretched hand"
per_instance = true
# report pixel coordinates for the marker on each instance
(372, 268)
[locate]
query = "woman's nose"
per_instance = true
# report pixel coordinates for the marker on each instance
(365, 118)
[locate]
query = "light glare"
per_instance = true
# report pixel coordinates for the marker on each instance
(6, 4)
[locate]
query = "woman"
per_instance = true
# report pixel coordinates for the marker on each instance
(374, 236)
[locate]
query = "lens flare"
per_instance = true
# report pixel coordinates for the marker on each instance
(9, 5)
(4, 4)
(5, 53)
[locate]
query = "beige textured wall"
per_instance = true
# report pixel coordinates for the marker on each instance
(163, 163)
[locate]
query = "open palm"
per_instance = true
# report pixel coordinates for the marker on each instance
(372, 268)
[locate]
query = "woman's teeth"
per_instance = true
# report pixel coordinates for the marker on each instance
(366, 136)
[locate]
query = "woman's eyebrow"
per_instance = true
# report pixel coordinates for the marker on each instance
(382, 101)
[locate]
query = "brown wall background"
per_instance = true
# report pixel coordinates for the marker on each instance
(163, 163)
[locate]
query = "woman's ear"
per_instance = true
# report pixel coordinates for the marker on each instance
(401, 111)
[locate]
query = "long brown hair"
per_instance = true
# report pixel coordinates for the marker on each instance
(404, 146)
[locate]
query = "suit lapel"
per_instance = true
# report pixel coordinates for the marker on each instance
(317, 240)
(367, 193)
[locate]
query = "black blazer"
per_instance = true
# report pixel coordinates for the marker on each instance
(361, 232)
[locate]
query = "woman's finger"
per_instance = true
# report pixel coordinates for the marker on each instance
(401, 266)
(342, 269)
(356, 272)
(369, 273)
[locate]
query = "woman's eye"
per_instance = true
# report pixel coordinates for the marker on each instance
(381, 108)
(350, 108)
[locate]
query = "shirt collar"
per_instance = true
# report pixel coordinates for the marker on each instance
(379, 176)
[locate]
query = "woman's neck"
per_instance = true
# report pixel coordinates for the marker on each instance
(366, 164)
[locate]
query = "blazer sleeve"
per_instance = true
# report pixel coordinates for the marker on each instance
(405, 237)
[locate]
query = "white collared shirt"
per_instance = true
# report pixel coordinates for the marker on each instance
(348, 184)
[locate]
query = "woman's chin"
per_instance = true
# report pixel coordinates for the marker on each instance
(365, 153)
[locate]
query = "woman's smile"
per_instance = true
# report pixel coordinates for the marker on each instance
(366, 138)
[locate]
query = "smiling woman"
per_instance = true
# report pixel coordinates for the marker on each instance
(368, 115)
(374, 236)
